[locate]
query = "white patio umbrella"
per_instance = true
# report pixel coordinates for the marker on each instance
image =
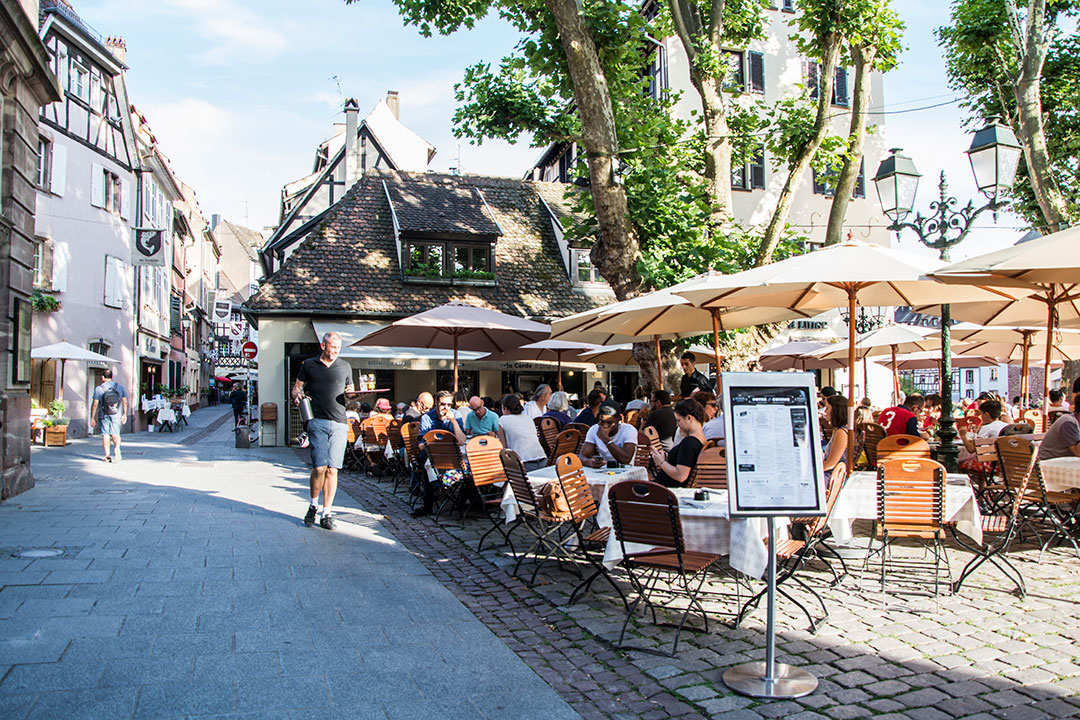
(624, 354)
(1050, 263)
(931, 360)
(64, 351)
(842, 275)
(545, 350)
(459, 326)
(797, 356)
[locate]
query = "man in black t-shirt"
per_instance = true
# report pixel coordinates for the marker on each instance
(662, 417)
(327, 380)
(692, 379)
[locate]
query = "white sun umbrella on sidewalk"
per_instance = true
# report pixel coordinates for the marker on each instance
(545, 350)
(1050, 263)
(796, 355)
(842, 276)
(624, 354)
(64, 351)
(931, 360)
(663, 314)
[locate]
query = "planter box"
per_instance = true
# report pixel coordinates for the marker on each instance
(56, 436)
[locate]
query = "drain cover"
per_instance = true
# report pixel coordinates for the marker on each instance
(109, 492)
(40, 553)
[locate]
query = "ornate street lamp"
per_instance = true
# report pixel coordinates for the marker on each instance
(994, 156)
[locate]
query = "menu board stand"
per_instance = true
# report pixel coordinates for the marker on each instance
(775, 407)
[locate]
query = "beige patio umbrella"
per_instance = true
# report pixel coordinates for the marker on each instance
(931, 360)
(64, 351)
(890, 340)
(458, 326)
(796, 355)
(1050, 263)
(842, 275)
(624, 354)
(663, 315)
(545, 350)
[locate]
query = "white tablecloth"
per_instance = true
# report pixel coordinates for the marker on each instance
(166, 415)
(858, 501)
(1061, 474)
(599, 479)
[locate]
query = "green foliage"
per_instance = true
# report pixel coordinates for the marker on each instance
(982, 58)
(56, 412)
(465, 274)
(42, 302)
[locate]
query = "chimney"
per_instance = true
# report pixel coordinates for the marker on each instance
(352, 116)
(392, 103)
(215, 220)
(117, 47)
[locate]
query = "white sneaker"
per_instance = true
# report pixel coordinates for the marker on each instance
(116, 456)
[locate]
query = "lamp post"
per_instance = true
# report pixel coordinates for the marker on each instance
(994, 155)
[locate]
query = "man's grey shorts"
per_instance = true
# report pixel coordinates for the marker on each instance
(328, 439)
(110, 424)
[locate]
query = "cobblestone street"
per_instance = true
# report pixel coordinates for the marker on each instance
(188, 587)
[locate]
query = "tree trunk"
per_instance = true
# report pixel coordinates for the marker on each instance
(645, 356)
(616, 250)
(686, 17)
(806, 153)
(849, 175)
(1026, 88)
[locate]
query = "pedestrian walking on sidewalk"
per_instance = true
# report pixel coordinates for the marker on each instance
(109, 411)
(238, 399)
(326, 379)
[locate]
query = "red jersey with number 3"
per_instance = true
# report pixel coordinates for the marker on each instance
(895, 420)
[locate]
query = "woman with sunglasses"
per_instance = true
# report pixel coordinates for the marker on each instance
(674, 469)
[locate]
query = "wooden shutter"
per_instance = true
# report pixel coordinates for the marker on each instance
(125, 198)
(860, 183)
(812, 75)
(757, 72)
(97, 185)
(58, 171)
(757, 169)
(114, 282)
(840, 89)
(174, 315)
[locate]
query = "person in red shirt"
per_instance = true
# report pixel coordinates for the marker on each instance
(903, 419)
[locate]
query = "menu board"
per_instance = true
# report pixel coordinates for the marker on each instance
(773, 444)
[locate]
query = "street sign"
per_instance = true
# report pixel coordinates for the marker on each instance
(250, 350)
(222, 311)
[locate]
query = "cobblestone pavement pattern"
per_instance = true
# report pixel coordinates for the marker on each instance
(189, 587)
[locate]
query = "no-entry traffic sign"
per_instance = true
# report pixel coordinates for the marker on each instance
(250, 350)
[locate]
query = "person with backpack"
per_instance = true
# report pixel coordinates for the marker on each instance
(238, 399)
(109, 411)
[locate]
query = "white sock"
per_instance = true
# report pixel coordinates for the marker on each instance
(327, 512)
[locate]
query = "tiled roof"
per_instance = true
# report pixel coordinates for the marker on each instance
(349, 266)
(554, 194)
(454, 209)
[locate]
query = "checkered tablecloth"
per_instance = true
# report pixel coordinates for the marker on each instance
(1061, 474)
(599, 479)
(858, 501)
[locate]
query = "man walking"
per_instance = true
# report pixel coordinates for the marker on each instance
(109, 410)
(238, 399)
(326, 379)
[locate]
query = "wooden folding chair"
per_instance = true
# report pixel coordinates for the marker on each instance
(1000, 530)
(968, 423)
(910, 500)
(1058, 509)
(444, 456)
(793, 553)
(547, 430)
(1035, 419)
(1016, 429)
(872, 434)
(410, 439)
(549, 533)
(648, 513)
(567, 441)
(591, 539)
(711, 470)
(893, 447)
(375, 438)
(353, 460)
(989, 489)
(397, 445)
(633, 417)
(485, 470)
(580, 427)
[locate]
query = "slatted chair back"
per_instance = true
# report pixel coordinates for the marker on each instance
(902, 446)
(647, 513)
(547, 429)
(1035, 419)
(633, 417)
(580, 427)
(986, 450)
(1016, 429)
(1055, 414)
(709, 444)
(654, 438)
(872, 434)
(969, 423)
(393, 431)
(1019, 466)
(443, 451)
(568, 441)
(376, 431)
(910, 497)
(641, 451)
(355, 432)
(711, 470)
(575, 488)
(836, 484)
(485, 464)
(519, 482)
(410, 438)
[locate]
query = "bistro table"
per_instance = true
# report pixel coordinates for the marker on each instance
(599, 479)
(858, 501)
(1061, 474)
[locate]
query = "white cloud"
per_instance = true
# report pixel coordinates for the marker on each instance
(234, 33)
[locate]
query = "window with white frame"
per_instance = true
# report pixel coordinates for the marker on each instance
(969, 376)
(44, 160)
(993, 374)
(585, 272)
(751, 175)
(80, 81)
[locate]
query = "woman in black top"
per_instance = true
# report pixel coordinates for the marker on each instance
(674, 470)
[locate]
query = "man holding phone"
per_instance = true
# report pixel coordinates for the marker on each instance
(440, 417)
(609, 440)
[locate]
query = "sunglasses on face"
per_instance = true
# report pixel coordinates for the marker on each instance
(606, 422)
(445, 404)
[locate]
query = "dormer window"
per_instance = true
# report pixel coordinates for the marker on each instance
(585, 273)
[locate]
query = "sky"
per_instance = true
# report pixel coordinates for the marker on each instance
(239, 94)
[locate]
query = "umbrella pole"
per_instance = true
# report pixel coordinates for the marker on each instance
(851, 376)
(1051, 311)
(63, 363)
(659, 363)
(1025, 370)
(716, 344)
(558, 369)
(895, 377)
(455, 362)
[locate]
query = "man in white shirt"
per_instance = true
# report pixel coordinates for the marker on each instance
(538, 405)
(990, 413)
(609, 440)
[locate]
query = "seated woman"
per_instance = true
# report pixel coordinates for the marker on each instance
(836, 449)
(673, 470)
(517, 432)
(557, 406)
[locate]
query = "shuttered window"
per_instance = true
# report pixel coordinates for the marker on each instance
(175, 324)
(812, 78)
(734, 80)
(757, 169)
(114, 282)
(757, 71)
(860, 183)
(840, 88)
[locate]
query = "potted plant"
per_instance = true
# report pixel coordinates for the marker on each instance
(56, 424)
